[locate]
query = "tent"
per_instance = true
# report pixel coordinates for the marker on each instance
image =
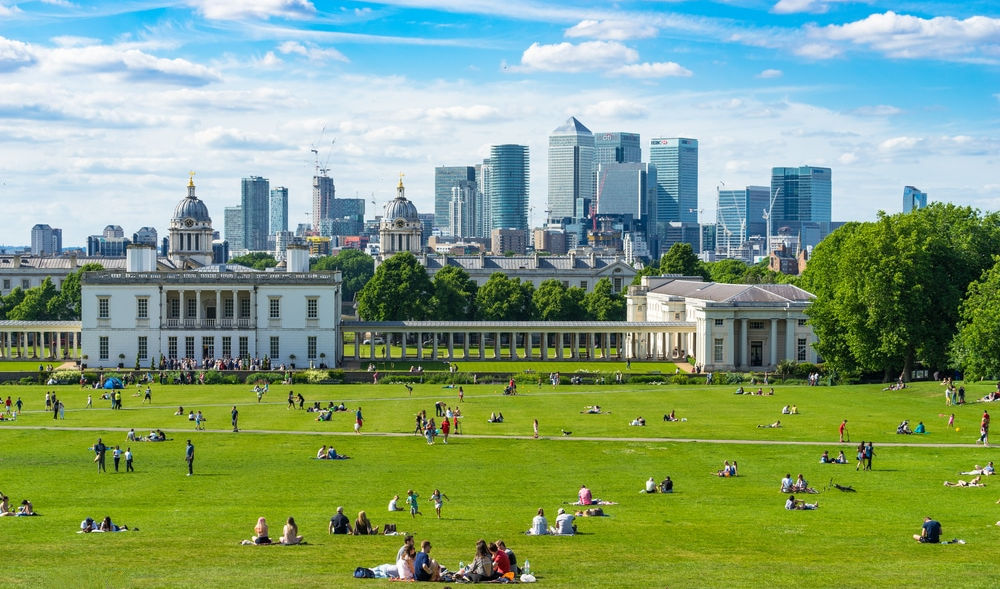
(113, 383)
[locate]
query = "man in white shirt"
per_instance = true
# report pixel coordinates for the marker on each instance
(650, 485)
(786, 483)
(564, 523)
(393, 504)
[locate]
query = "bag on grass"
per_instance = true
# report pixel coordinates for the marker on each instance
(364, 573)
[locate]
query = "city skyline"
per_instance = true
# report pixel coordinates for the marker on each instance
(107, 106)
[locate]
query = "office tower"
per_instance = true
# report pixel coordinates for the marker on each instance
(626, 189)
(913, 198)
(323, 194)
(462, 221)
(255, 195)
(446, 178)
(112, 243)
(801, 194)
(571, 169)
(617, 148)
(676, 161)
(427, 227)
(278, 215)
(113, 232)
(484, 214)
(46, 241)
(146, 235)
(738, 215)
(507, 181)
(233, 225)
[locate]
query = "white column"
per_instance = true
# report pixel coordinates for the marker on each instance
(451, 345)
(513, 345)
(496, 346)
(732, 341)
(434, 348)
(465, 345)
(402, 354)
(357, 345)
(790, 351)
(773, 344)
(745, 342)
(482, 345)
(543, 347)
(218, 308)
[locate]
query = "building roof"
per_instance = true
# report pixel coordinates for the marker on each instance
(718, 292)
(192, 207)
(501, 263)
(69, 263)
(572, 127)
(401, 207)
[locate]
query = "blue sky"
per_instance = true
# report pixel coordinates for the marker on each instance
(106, 106)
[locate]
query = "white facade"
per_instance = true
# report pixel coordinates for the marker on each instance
(291, 318)
(736, 326)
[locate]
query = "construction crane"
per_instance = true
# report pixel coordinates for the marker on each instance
(767, 217)
(321, 170)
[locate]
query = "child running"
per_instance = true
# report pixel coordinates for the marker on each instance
(411, 501)
(438, 498)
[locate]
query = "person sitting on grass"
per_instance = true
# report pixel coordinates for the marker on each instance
(394, 504)
(773, 425)
(260, 532)
(290, 533)
(787, 484)
(739, 391)
(904, 428)
(793, 503)
(671, 417)
(841, 459)
(727, 471)
(638, 421)
(539, 525)
(920, 429)
(930, 533)
(363, 527)
(88, 525)
(324, 415)
(976, 482)
(322, 455)
(825, 458)
(666, 485)
(424, 567)
(592, 410)
(564, 524)
(801, 486)
(339, 524)
(786, 410)
(650, 486)
(331, 454)
(795, 410)
(26, 508)
(180, 411)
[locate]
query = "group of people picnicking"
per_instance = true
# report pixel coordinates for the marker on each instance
(22, 510)
(491, 561)
(289, 534)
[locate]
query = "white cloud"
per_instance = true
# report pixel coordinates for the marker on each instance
(612, 30)
(257, 9)
(229, 138)
(878, 110)
(737, 166)
(617, 108)
(653, 70)
(15, 55)
(847, 158)
(795, 6)
(472, 113)
(567, 57)
(900, 143)
(905, 36)
(817, 50)
(74, 41)
(311, 51)
(270, 60)
(132, 64)
(770, 74)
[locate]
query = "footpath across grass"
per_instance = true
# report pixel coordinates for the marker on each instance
(712, 532)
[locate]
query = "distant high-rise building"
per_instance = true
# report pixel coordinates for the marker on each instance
(233, 225)
(617, 148)
(323, 194)
(446, 178)
(571, 169)
(503, 241)
(46, 241)
(113, 231)
(147, 236)
(676, 161)
(112, 243)
(484, 214)
(256, 214)
(278, 217)
(800, 194)
(913, 198)
(739, 214)
(626, 189)
(507, 182)
(462, 209)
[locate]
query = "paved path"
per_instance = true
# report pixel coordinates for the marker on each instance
(492, 437)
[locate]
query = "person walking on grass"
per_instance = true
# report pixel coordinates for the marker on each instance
(189, 457)
(843, 430)
(128, 460)
(100, 449)
(869, 452)
(117, 456)
(236, 419)
(535, 426)
(861, 455)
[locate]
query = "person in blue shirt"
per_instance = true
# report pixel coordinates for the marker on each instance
(425, 569)
(930, 533)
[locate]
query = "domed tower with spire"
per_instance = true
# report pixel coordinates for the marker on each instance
(400, 229)
(190, 232)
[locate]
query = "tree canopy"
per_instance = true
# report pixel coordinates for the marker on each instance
(356, 269)
(399, 290)
(603, 303)
(454, 295)
(43, 302)
(976, 346)
(504, 299)
(257, 260)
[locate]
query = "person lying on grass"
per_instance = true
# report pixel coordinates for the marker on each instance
(985, 471)
(960, 483)
(773, 425)
(794, 503)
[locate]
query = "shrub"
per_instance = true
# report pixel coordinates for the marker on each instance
(270, 377)
(680, 379)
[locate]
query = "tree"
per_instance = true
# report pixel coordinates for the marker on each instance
(975, 349)
(603, 303)
(356, 269)
(67, 305)
(34, 306)
(399, 290)
(680, 259)
(454, 296)
(504, 299)
(257, 260)
(12, 300)
(727, 271)
(551, 302)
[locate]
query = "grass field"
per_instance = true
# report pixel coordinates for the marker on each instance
(565, 367)
(710, 532)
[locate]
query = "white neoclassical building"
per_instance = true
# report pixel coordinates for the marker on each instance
(725, 326)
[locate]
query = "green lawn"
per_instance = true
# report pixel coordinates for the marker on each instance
(27, 365)
(537, 366)
(711, 532)
(489, 352)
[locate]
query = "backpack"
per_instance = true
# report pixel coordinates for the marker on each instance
(364, 573)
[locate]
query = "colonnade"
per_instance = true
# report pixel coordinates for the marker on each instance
(210, 308)
(41, 340)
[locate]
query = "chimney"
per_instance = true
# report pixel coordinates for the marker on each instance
(296, 258)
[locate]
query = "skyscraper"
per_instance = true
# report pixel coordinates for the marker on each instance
(323, 195)
(738, 215)
(804, 195)
(617, 148)
(46, 241)
(913, 198)
(233, 225)
(571, 170)
(676, 161)
(446, 178)
(462, 209)
(624, 189)
(146, 235)
(507, 182)
(278, 217)
(256, 213)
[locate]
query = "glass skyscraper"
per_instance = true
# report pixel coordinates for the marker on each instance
(323, 194)
(507, 182)
(805, 194)
(676, 161)
(571, 170)
(446, 178)
(279, 210)
(738, 215)
(233, 225)
(617, 148)
(624, 189)
(256, 212)
(913, 198)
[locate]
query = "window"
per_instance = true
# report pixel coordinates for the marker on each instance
(718, 322)
(175, 308)
(142, 308)
(312, 309)
(208, 347)
(755, 324)
(311, 347)
(244, 346)
(143, 352)
(103, 307)
(172, 346)
(618, 284)
(227, 308)
(802, 322)
(244, 307)
(583, 284)
(717, 350)
(227, 346)
(192, 308)
(6, 283)
(677, 316)
(275, 347)
(189, 347)
(801, 353)
(102, 347)
(274, 308)
(25, 284)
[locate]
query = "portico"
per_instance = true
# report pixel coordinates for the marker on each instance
(40, 340)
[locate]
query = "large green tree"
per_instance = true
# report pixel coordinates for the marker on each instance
(67, 305)
(504, 299)
(976, 347)
(888, 292)
(681, 259)
(399, 290)
(35, 304)
(603, 303)
(552, 301)
(356, 269)
(454, 296)
(257, 260)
